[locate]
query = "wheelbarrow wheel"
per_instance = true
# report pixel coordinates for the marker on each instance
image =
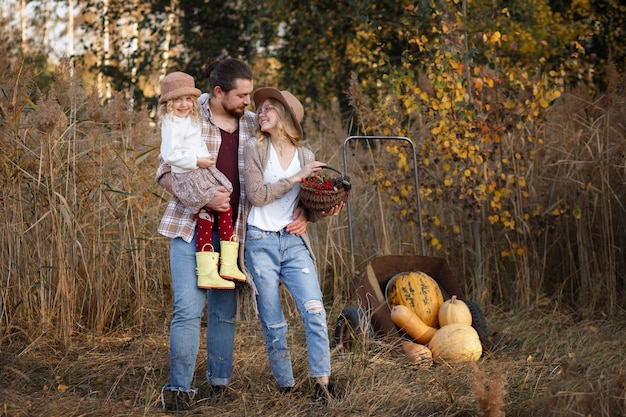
(479, 323)
(352, 325)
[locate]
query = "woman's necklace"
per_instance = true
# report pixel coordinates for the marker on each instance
(280, 147)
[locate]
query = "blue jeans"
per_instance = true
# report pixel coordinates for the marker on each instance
(272, 257)
(189, 302)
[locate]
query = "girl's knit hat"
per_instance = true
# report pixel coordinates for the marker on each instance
(177, 84)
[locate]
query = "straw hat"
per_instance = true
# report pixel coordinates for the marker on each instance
(177, 84)
(288, 100)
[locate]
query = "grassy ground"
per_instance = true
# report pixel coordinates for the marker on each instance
(543, 362)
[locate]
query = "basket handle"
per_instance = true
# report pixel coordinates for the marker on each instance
(332, 169)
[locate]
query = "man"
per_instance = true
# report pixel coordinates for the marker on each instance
(226, 127)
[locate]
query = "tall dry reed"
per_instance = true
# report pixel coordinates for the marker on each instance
(79, 209)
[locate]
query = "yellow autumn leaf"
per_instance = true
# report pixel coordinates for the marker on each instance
(495, 37)
(62, 388)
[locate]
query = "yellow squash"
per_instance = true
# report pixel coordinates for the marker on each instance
(419, 292)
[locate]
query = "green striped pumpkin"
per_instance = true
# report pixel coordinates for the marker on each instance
(419, 292)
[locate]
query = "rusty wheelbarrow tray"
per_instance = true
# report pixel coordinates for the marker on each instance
(371, 317)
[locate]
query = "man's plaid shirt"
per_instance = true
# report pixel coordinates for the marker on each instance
(179, 221)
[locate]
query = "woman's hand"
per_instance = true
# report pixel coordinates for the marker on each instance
(334, 211)
(307, 170)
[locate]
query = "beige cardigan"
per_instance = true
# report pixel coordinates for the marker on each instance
(256, 156)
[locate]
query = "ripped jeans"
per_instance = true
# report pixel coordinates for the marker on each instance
(272, 257)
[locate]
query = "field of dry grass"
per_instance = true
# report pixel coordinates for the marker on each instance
(85, 298)
(544, 362)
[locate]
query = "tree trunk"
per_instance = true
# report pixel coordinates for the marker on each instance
(24, 41)
(104, 59)
(172, 20)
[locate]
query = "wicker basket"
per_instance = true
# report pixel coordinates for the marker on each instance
(323, 200)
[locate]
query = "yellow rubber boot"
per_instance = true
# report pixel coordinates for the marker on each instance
(206, 267)
(229, 253)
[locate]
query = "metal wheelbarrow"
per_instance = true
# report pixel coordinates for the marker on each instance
(371, 317)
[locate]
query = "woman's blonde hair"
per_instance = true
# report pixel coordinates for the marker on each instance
(166, 109)
(284, 123)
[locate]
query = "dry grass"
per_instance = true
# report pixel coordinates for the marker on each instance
(543, 362)
(85, 296)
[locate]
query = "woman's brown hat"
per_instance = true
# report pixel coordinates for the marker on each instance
(178, 84)
(288, 100)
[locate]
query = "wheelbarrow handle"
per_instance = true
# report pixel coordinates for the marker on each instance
(415, 177)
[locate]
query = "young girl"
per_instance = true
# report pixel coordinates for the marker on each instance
(275, 163)
(195, 179)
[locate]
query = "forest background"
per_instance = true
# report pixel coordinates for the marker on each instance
(516, 109)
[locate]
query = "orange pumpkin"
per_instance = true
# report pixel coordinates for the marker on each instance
(455, 343)
(417, 291)
(454, 311)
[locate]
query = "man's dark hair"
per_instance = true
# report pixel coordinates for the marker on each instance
(224, 72)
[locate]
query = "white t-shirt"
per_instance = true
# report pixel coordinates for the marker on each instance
(274, 216)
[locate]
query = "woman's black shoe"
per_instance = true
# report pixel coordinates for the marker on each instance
(324, 393)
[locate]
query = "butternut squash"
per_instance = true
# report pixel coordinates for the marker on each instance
(407, 320)
(418, 354)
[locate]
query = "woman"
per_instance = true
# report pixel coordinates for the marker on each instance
(275, 164)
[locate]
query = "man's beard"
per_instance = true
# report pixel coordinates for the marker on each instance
(236, 112)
